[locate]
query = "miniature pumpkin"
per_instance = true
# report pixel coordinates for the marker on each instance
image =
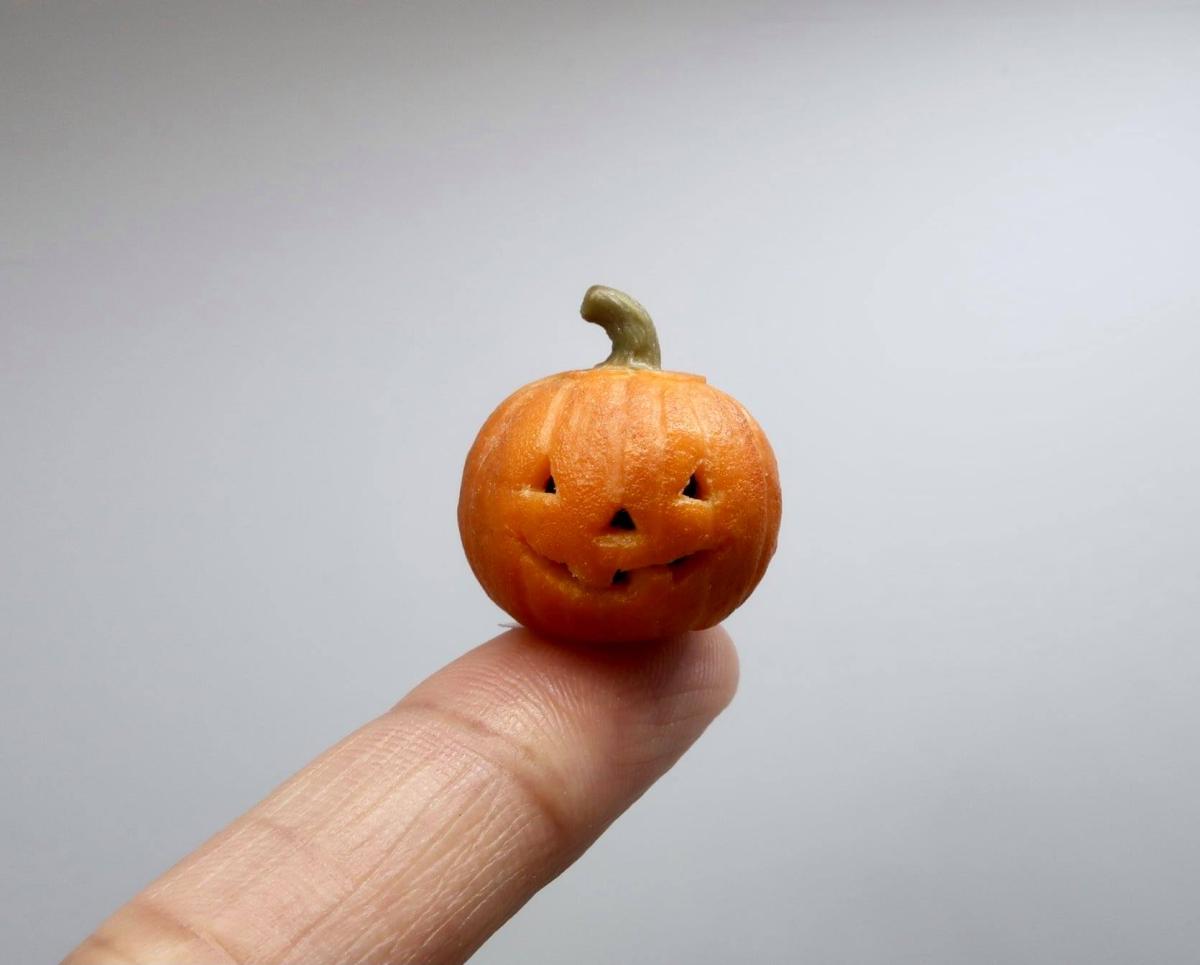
(622, 502)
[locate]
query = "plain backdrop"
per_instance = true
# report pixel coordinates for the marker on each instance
(265, 269)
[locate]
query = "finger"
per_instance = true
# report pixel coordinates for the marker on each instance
(421, 833)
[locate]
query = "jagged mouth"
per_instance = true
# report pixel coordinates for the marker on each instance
(677, 569)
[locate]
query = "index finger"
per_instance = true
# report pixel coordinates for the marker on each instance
(418, 835)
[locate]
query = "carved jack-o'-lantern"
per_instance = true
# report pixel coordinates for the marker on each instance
(622, 502)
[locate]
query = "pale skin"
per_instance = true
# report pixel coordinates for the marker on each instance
(421, 833)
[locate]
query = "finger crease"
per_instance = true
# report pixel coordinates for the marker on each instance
(167, 922)
(114, 952)
(526, 769)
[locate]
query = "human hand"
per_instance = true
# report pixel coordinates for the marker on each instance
(420, 834)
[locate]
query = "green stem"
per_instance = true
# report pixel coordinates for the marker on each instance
(634, 340)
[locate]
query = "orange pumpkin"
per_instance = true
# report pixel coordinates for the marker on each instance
(622, 502)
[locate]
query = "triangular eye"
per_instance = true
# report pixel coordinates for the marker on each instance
(692, 489)
(550, 487)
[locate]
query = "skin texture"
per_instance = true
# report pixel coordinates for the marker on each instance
(418, 835)
(619, 438)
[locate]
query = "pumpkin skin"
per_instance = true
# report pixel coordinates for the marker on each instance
(619, 503)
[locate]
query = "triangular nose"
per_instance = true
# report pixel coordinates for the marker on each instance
(622, 520)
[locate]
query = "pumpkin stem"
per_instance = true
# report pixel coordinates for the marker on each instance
(634, 340)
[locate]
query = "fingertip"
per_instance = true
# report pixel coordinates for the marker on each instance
(692, 676)
(723, 666)
(698, 659)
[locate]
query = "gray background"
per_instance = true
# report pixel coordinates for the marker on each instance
(265, 269)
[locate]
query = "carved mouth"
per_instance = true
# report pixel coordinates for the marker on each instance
(678, 568)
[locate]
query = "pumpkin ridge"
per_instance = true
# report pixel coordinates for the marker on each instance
(550, 419)
(756, 442)
(701, 425)
(616, 473)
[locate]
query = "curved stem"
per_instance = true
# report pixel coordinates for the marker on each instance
(634, 340)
